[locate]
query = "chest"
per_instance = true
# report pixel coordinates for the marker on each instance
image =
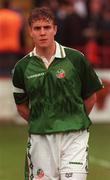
(59, 75)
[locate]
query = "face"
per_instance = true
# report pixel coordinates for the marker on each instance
(43, 33)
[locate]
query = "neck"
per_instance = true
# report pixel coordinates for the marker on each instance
(46, 52)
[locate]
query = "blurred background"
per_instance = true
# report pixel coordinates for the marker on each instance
(83, 25)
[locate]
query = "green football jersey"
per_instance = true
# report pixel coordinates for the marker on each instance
(56, 94)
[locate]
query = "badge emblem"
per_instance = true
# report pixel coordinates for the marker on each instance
(60, 74)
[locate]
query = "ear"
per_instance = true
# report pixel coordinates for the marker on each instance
(55, 28)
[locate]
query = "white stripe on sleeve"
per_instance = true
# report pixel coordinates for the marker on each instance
(17, 90)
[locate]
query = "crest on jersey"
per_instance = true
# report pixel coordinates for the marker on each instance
(40, 174)
(60, 73)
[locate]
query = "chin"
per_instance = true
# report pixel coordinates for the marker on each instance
(44, 45)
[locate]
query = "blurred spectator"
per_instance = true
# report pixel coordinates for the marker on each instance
(93, 32)
(12, 41)
(95, 10)
(65, 8)
(54, 5)
(80, 7)
(105, 26)
(72, 30)
(105, 38)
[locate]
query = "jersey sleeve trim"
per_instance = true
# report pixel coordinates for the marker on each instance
(17, 90)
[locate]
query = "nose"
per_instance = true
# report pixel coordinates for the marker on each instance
(42, 32)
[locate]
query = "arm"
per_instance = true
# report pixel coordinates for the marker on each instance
(89, 103)
(23, 110)
(19, 90)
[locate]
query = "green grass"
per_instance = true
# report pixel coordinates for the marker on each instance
(99, 168)
(12, 152)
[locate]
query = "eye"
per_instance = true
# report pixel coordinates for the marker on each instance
(47, 27)
(37, 28)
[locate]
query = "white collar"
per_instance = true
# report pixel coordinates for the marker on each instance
(60, 52)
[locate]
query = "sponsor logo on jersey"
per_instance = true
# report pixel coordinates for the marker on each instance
(60, 73)
(36, 75)
(77, 163)
(40, 174)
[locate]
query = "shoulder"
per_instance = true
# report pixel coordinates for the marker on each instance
(21, 65)
(74, 55)
(77, 58)
(23, 62)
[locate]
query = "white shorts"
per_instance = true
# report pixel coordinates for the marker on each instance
(51, 157)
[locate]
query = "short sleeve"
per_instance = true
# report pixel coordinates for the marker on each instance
(90, 81)
(19, 91)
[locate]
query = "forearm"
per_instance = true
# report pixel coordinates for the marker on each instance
(24, 111)
(89, 103)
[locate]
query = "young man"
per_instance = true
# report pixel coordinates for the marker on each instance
(54, 90)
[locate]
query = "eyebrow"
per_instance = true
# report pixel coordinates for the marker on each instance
(44, 26)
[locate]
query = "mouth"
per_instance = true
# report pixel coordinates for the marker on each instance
(43, 40)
